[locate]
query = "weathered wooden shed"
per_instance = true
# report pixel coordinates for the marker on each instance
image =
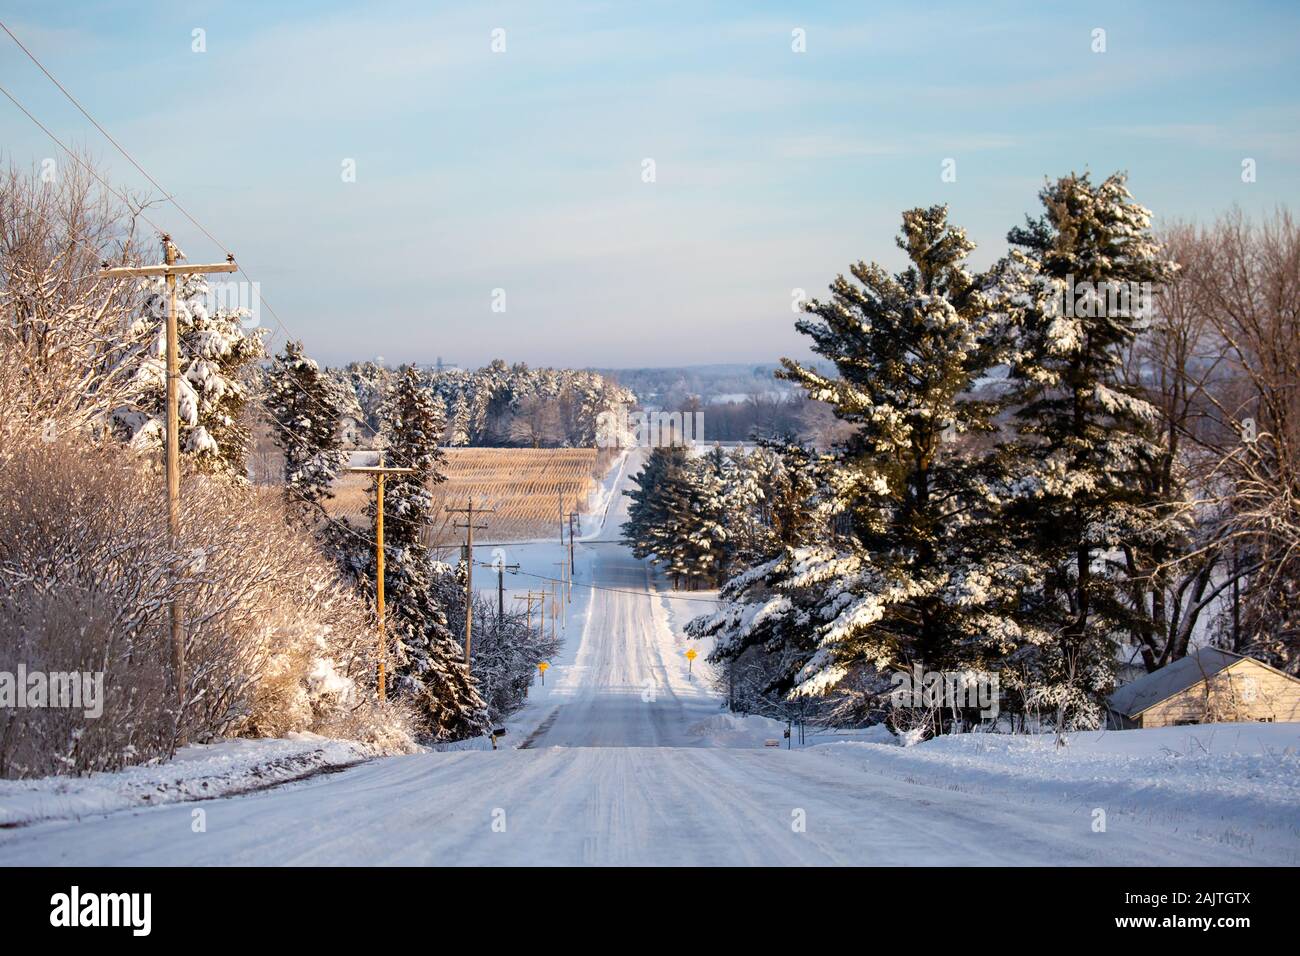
(1208, 686)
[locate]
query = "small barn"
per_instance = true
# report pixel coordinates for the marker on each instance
(1209, 686)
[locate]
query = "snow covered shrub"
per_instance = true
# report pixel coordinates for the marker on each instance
(275, 641)
(69, 631)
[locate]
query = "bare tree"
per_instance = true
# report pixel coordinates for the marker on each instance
(64, 328)
(537, 422)
(1176, 574)
(1245, 279)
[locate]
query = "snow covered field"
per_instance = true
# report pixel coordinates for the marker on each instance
(622, 758)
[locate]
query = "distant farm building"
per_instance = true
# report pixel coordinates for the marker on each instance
(1210, 686)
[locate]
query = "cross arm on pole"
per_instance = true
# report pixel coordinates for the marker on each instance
(380, 470)
(179, 269)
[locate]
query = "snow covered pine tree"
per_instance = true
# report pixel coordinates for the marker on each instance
(912, 570)
(216, 363)
(1076, 494)
(662, 524)
(430, 668)
(304, 410)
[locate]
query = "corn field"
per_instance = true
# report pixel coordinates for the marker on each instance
(524, 487)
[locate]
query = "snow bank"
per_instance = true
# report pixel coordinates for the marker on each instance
(592, 524)
(751, 730)
(197, 772)
(736, 730)
(1237, 783)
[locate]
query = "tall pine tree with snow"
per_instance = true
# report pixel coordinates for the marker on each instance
(458, 426)
(912, 572)
(785, 475)
(1077, 495)
(304, 408)
(664, 516)
(217, 357)
(705, 503)
(429, 668)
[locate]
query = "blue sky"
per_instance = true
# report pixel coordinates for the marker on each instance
(522, 170)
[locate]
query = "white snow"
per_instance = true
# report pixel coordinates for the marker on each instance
(627, 759)
(197, 772)
(1233, 784)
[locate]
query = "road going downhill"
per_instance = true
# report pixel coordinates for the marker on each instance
(625, 686)
(614, 771)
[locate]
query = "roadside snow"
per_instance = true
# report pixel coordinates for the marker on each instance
(593, 523)
(1234, 783)
(197, 772)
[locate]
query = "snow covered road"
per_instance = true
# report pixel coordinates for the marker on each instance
(615, 771)
(626, 686)
(610, 805)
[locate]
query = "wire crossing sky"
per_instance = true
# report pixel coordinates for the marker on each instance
(601, 184)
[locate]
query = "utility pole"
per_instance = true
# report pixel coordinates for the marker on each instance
(530, 597)
(380, 473)
(470, 527)
(170, 270)
(502, 568)
(572, 566)
(555, 614)
(562, 565)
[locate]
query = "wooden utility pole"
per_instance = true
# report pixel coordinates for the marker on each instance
(530, 597)
(502, 568)
(469, 511)
(572, 566)
(170, 270)
(562, 565)
(554, 609)
(380, 473)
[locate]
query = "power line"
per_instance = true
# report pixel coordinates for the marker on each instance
(83, 163)
(602, 587)
(168, 196)
(108, 136)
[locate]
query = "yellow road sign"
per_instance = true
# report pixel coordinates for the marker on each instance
(542, 666)
(691, 655)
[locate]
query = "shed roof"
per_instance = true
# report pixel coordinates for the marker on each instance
(1150, 689)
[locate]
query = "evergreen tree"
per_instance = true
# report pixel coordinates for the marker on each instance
(647, 515)
(664, 517)
(371, 384)
(911, 572)
(707, 507)
(1085, 440)
(458, 427)
(430, 667)
(304, 408)
(785, 476)
(216, 359)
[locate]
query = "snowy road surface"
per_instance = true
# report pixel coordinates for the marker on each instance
(602, 805)
(615, 771)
